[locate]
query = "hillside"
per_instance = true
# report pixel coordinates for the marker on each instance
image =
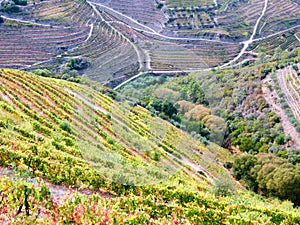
(150, 112)
(118, 40)
(73, 135)
(76, 122)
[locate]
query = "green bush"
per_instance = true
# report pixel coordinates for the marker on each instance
(20, 2)
(223, 188)
(11, 9)
(66, 127)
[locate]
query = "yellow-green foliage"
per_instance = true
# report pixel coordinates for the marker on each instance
(28, 202)
(111, 146)
(45, 121)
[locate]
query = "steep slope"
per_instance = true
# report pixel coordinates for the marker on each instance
(73, 135)
(47, 34)
(88, 128)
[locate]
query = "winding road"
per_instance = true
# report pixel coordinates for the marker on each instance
(250, 41)
(90, 33)
(144, 57)
(297, 37)
(228, 64)
(153, 32)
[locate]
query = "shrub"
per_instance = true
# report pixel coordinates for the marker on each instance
(20, 2)
(66, 127)
(11, 9)
(223, 187)
(78, 64)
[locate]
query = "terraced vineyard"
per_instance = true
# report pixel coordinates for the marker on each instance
(40, 35)
(112, 54)
(195, 55)
(279, 19)
(289, 83)
(121, 39)
(189, 3)
(276, 44)
(60, 31)
(111, 131)
(61, 13)
(162, 150)
(143, 11)
(73, 135)
(18, 51)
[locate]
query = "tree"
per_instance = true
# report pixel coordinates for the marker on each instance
(286, 182)
(280, 139)
(270, 176)
(195, 92)
(78, 64)
(242, 170)
(20, 2)
(168, 109)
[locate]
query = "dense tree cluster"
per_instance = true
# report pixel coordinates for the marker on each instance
(12, 6)
(20, 2)
(270, 176)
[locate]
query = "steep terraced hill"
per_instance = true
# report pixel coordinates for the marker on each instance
(44, 121)
(130, 167)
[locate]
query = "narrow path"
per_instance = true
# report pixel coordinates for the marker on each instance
(216, 3)
(129, 80)
(58, 191)
(148, 60)
(196, 168)
(98, 108)
(80, 97)
(90, 33)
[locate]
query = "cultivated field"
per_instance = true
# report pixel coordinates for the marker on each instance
(107, 162)
(290, 85)
(96, 133)
(120, 39)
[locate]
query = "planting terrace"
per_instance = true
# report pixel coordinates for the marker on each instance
(280, 15)
(144, 12)
(48, 119)
(289, 82)
(194, 55)
(23, 45)
(123, 38)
